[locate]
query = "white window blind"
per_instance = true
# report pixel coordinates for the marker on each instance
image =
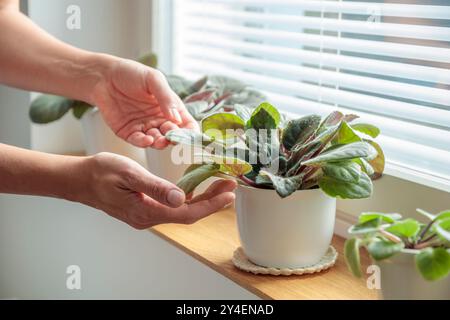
(387, 61)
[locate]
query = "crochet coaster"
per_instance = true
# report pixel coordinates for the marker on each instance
(241, 261)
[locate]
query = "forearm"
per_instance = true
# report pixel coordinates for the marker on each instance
(47, 64)
(36, 173)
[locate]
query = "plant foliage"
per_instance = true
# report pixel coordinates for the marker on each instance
(384, 235)
(304, 153)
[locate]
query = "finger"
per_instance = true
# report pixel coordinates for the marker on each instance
(167, 99)
(217, 187)
(160, 143)
(155, 133)
(187, 120)
(167, 126)
(140, 139)
(198, 210)
(158, 189)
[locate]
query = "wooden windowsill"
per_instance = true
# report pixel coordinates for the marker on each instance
(213, 240)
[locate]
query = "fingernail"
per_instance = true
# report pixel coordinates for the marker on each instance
(175, 197)
(175, 114)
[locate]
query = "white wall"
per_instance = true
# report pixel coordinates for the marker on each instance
(118, 27)
(40, 238)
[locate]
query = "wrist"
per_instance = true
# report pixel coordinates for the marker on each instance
(77, 179)
(98, 68)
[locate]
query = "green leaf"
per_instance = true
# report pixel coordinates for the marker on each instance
(243, 112)
(205, 95)
(179, 85)
(343, 170)
(368, 226)
(299, 130)
(381, 249)
(79, 108)
(408, 228)
(195, 175)
(222, 126)
(365, 166)
(149, 59)
(48, 108)
(188, 137)
(367, 129)
(346, 134)
(265, 116)
(351, 253)
(343, 152)
(332, 119)
(230, 166)
(387, 217)
(196, 109)
(225, 84)
(378, 161)
(433, 263)
(443, 215)
(442, 228)
(347, 190)
(426, 214)
(247, 97)
(284, 186)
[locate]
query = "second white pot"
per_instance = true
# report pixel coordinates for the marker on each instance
(162, 164)
(400, 279)
(98, 137)
(293, 232)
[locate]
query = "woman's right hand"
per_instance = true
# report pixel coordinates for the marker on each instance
(125, 190)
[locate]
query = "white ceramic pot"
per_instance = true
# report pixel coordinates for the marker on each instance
(292, 232)
(98, 137)
(400, 279)
(165, 165)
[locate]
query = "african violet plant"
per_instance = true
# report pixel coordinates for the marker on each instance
(213, 93)
(48, 108)
(384, 235)
(305, 153)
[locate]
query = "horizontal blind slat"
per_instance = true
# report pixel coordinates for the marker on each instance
(391, 49)
(374, 85)
(395, 69)
(359, 8)
(360, 27)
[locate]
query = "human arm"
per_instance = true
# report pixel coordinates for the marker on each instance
(135, 101)
(111, 183)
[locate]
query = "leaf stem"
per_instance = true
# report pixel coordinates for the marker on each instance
(426, 244)
(248, 181)
(425, 230)
(391, 236)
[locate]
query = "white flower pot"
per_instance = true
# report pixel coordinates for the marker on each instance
(161, 164)
(292, 232)
(98, 137)
(400, 279)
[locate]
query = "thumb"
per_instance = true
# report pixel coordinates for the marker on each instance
(158, 189)
(168, 101)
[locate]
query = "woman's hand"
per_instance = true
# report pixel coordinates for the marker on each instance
(138, 104)
(125, 190)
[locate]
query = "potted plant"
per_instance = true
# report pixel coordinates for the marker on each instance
(289, 174)
(414, 257)
(202, 97)
(97, 136)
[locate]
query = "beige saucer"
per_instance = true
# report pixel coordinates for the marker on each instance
(241, 261)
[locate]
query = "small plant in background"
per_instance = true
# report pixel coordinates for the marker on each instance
(261, 150)
(213, 93)
(384, 235)
(48, 108)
